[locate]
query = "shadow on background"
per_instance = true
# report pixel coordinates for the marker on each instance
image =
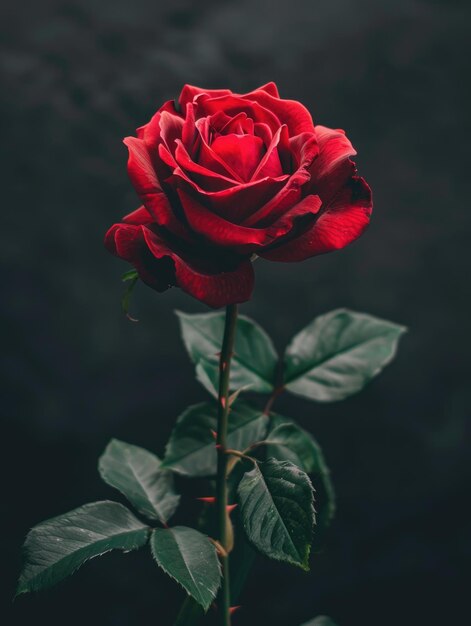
(80, 75)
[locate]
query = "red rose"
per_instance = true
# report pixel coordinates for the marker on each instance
(223, 177)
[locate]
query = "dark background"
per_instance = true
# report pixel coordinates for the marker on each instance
(80, 75)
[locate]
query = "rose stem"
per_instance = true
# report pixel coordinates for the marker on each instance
(221, 442)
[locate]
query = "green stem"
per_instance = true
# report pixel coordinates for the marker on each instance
(224, 602)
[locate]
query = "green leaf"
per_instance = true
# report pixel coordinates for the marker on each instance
(241, 562)
(322, 620)
(286, 441)
(207, 373)
(137, 474)
(277, 510)
(190, 558)
(191, 448)
(253, 363)
(338, 353)
(57, 547)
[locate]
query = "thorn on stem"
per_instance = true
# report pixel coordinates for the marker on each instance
(207, 499)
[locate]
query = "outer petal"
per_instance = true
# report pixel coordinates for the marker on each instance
(270, 88)
(160, 266)
(171, 129)
(223, 287)
(127, 242)
(338, 224)
(138, 217)
(150, 132)
(143, 177)
(333, 165)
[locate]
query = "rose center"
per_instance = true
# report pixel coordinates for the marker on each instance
(242, 153)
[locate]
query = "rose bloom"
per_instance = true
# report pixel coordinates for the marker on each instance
(223, 178)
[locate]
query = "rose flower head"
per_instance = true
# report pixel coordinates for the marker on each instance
(223, 177)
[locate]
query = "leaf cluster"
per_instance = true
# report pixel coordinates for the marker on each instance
(273, 466)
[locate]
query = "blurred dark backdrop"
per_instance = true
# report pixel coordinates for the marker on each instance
(78, 75)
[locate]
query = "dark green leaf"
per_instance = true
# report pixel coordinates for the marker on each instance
(241, 562)
(191, 449)
(254, 361)
(277, 510)
(190, 558)
(286, 441)
(338, 353)
(207, 373)
(137, 474)
(57, 547)
(322, 620)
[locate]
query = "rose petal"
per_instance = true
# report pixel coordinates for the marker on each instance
(220, 232)
(140, 168)
(127, 242)
(143, 177)
(338, 224)
(171, 128)
(189, 131)
(333, 165)
(160, 266)
(228, 286)
(138, 217)
(150, 132)
(205, 156)
(207, 179)
(264, 132)
(270, 88)
(242, 153)
(289, 112)
(236, 203)
(270, 163)
(231, 105)
(305, 147)
(240, 124)
(189, 93)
